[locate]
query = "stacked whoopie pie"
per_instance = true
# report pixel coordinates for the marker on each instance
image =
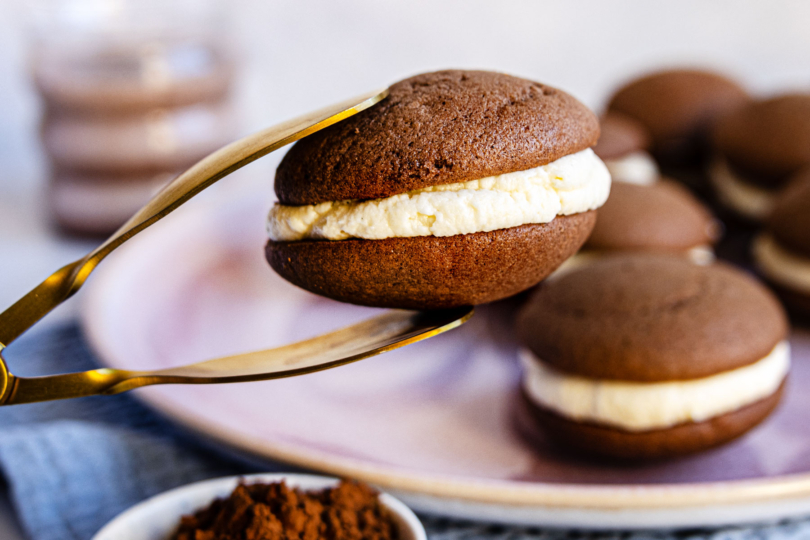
(662, 217)
(678, 107)
(623, 146)
(460, 188)
(758, 148)
(651, 356)
(782, 252)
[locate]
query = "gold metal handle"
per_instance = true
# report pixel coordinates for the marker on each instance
(369, 338)
(63, 283)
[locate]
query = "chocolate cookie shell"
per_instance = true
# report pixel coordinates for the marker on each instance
(590, 438)
(790, 220)
(651, 318)
(429, 272)
(766, 141)
(620, 135)
(677, 107)
(663, 216)
(436, 128)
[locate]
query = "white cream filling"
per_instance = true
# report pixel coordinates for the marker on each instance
(780, 265)
(634, 168)
(635, 406)
(701, 255)
(570, 185)
(749, 200)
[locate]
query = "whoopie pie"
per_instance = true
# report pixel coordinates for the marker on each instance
(678, 107)
(623, 146)
(651, 356)
(758, 148)
(663, 217)
(460, 188)
(782, 252)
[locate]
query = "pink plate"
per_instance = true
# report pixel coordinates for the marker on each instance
(432, 423)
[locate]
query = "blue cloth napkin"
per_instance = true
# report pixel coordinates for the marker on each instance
(71, 466)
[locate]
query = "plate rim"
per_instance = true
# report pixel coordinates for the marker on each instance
(487, 491)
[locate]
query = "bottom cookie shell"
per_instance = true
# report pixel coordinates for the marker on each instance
(603, 441)
(429, 272)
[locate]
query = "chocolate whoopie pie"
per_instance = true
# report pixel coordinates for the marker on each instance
(661, 217)
(782, 252)
(460, 188)
(758, 148)
(678, 107)
(623, 146)
(651, 356)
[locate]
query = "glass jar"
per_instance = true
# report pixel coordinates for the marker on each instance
(133, 92)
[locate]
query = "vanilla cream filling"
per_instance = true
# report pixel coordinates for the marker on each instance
(570, 185)
(747, 199)
(701, 255)
(780, 265)
(634, 168)
(635, 406)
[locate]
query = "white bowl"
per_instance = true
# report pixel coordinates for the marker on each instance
(157, 518)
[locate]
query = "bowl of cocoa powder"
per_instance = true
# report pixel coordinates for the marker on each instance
(268, 507)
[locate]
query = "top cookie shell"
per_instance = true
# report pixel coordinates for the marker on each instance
(650, 318)
(663, 216)
(790, 220)
(767, 140)
(677, 103)
(436, 128)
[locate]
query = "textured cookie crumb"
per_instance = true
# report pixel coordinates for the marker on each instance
(349, 511)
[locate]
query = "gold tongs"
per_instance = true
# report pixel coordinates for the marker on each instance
(389, 331)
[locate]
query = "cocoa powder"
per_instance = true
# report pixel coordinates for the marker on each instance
(349, 511)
